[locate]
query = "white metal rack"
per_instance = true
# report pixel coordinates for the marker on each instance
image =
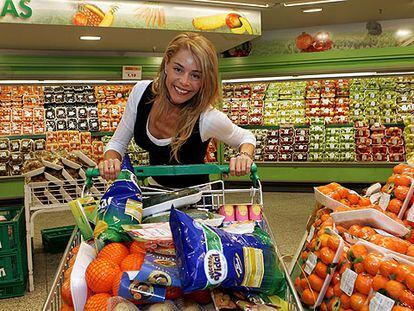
(51, 196)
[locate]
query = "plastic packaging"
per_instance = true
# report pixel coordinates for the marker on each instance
(208, 257)
(120, 204)
(371, 217)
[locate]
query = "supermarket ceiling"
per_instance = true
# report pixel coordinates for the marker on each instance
(278, 16)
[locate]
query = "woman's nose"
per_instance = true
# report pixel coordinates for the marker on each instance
(185, 79)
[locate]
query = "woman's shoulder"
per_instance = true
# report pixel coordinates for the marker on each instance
(137, 91)
(211, 113)
(141, 86)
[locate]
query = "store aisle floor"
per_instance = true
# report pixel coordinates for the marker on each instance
(287, 214)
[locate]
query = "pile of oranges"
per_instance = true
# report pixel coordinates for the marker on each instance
(367, 233)
(397, 186)
(375, 273)
(103, 276)
(325, 246)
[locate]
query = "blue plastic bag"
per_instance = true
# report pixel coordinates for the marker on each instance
(209, 257)
(121, 204)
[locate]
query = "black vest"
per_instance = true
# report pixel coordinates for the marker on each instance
(191, 152)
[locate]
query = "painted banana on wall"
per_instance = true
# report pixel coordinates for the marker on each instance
(234, 21)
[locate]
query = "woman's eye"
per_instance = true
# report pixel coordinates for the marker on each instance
(177, 69)
(196, 76)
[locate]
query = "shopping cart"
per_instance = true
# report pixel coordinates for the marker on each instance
(214, 194)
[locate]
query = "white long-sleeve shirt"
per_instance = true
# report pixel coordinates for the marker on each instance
(213, 124)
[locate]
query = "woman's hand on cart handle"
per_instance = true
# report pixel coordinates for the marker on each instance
(240, 165)
(109, 169)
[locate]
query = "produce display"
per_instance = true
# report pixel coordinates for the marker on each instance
(15, 153)
(66, 115)
(21, 110)
(183, 259)
(359, 252)
(361, 119)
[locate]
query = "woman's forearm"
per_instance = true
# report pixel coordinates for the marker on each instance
(112, 154)
(247, 149)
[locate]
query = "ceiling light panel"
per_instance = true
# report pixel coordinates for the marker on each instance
(315, 10)
(301, 3)
(90, 38)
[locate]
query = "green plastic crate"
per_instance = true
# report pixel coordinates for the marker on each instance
(55, 240)
(13, 267)
(12, 231)
(14, 289)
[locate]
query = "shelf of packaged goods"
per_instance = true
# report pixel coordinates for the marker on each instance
(11, 187)
(323, 172)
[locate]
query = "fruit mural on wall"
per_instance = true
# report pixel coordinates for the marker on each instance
(152, 14)
(92, 15)
(234, 21)
(319, 42)
(140, 14)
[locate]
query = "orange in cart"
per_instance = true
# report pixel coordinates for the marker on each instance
(98, 302)
(65, 307)
(137, 247)
(132, 262)
(66, 293)
(115, 252)
(100, 275)
(68, 272)
(117, 282)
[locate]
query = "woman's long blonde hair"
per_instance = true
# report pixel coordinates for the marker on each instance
(208, 95)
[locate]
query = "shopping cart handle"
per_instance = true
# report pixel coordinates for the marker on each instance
(143, 172)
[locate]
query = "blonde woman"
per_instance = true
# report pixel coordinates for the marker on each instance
(173, 117)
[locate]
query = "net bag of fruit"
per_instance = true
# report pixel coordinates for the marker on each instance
(210, 257)
(121, 204)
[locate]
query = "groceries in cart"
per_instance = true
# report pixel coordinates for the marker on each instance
(172, 257)
(120, 204)
(238, 261)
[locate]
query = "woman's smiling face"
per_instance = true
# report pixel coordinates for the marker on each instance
(183, 79)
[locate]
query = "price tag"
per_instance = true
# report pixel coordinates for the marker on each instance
(350, 238)
(381, 303)
(384, 200)
(348, 279)
(131, 72)
(311, 263)
(311, 233)
(384, 233)
(373, 189)
(375, 197)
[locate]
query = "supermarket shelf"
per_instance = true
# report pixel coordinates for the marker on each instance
(275, 127)
(36, 136)
(100, 134)
(33, 136)
(322, 172)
